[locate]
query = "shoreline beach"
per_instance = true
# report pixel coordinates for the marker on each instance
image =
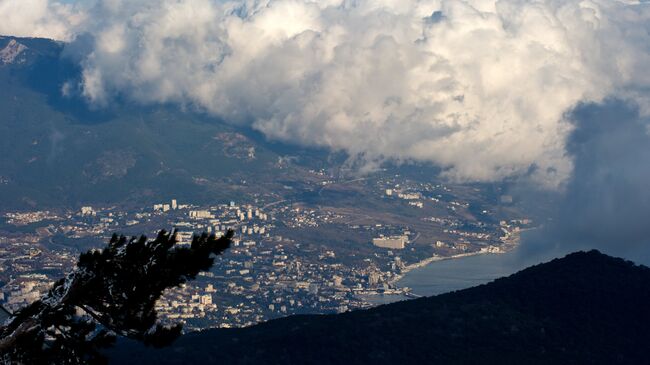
(508, 245)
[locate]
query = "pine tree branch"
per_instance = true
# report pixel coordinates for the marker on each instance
(98, 318)
(26, 326)
(116, 288)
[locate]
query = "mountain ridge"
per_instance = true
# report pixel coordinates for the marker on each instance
(57, 150)
(585, 308)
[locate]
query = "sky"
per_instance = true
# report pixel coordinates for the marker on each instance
(486, 90)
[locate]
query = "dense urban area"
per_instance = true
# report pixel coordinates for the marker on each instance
(288, 256)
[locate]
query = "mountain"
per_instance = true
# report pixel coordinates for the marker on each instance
(58, 150)
(585, 308)
(24, 52)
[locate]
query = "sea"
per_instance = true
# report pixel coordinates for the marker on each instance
(445, 276)
(460, 273)
(439, 277)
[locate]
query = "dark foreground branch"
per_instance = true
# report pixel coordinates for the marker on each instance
(117, 289)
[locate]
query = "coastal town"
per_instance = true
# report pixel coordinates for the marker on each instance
(273, 268)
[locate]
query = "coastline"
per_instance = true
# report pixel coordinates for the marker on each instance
(407, 293)
(393, 281)
(509, 244)
(398, 292)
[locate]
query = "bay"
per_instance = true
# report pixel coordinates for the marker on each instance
(460, 273)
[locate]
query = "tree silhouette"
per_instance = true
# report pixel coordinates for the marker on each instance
(112, 292)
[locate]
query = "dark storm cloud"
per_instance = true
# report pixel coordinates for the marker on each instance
(606, 204)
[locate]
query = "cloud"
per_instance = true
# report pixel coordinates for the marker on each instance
(480, 88)
(39, 18)
(607, 201)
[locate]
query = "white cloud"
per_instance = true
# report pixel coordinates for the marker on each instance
(38, 18)
(478, 87)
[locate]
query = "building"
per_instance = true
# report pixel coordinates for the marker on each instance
(87, 211)
(398, 262)
(184, 237)
(395, 242)
(409, 196)
(205, 299)
(337, 281)
(373, 278)
(174, 204)
(418, 204)
(201, 214)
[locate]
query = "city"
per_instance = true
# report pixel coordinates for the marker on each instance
(273, 269)
(324, 182)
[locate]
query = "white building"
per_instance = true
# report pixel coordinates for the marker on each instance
(201, 214)
(395, 242)
(184, 237)
(87, 211)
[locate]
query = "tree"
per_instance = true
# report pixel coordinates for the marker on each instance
(111, 292)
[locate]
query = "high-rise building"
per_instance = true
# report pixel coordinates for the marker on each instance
(174, 204)
(373, 278)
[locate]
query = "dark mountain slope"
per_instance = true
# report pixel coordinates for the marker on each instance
(58, 150)
(586, 308)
